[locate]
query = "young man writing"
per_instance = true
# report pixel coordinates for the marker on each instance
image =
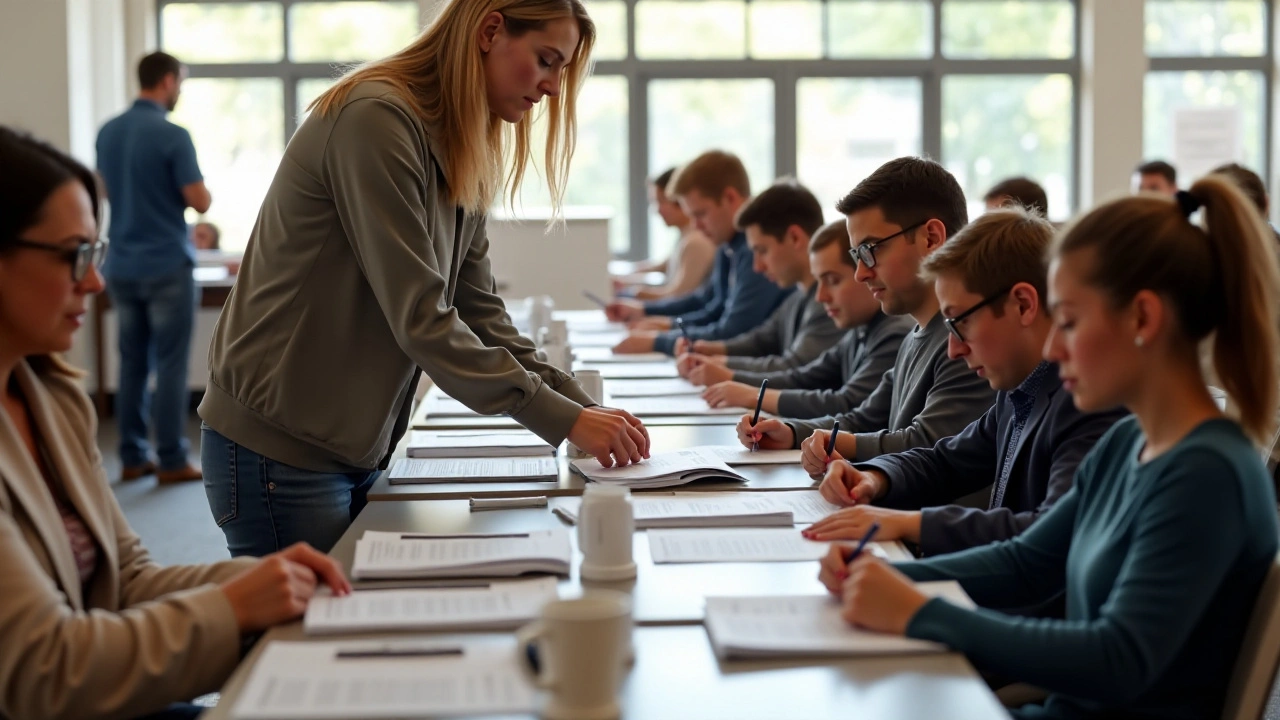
(842, 377)
(990, 280)
(899, 215)
(735, 299)
(778, 223)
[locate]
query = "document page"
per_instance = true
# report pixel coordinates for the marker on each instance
(375, 681)
(735, 545)
(673, 405)
(491, 606)
(650, 388)
(632, 370)
(739, 455)
(595, 338)
(441, 405)
(466, 469)
(693, 511)
(594, 355)
(393, 555)
(439, 440)
(807, 625)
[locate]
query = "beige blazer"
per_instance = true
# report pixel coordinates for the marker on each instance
(139, 636)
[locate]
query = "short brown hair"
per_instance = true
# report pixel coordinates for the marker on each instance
(836, 233)
(1248, 182)
(781, 205)
(1220, 279)
(1161, 168)
(910, 190)
(154, 68)
(995, 252)
(710, 174)
(1022, 190)
(663, 179)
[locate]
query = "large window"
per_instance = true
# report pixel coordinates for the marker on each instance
(824, 90)
(1208, 54)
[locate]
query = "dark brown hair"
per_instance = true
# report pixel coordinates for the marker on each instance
(995, 252)
(1248, 182)
(910, 190)
(834, 233)
(1023, 191)
(1161, 168)
(1219, 279)
(153, 69)
(781, 205)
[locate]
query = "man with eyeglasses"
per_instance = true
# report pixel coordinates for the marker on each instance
(990, 280)
(149, 169)
(896, 217)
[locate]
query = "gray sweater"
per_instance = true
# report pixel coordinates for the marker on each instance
(926, 396)
(359, 272)
(843, 376)
(794, 335)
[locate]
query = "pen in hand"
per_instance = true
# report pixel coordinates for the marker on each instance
(684, 334)
(831, 441)
(755, 444)
(871, 532)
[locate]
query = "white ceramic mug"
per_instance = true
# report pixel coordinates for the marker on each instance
(581, 648)
(540, 309)
(606, 524)
(592, 383)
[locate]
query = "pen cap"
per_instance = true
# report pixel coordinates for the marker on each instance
(606, 524)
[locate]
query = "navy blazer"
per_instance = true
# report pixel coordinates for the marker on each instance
(1056, 438)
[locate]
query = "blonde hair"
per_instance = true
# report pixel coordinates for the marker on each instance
(440, 73)
(996, 251)
(710, 174)
(1220, 279)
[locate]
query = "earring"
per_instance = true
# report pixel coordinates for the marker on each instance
(1138, 341)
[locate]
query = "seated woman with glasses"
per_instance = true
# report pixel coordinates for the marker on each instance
(1163, 543)
(92, 627)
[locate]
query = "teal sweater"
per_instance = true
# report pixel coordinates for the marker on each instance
(1160, 561)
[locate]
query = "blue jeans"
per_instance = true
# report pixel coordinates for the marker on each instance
(155, 317)
(264, 506)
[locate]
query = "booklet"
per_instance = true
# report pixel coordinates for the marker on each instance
(445, 444)
(391, 556)
(664, 469)
(808, 625)
(475, 606)
(410, 471)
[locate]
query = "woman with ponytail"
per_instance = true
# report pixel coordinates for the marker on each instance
(369, 264)
(1163, 543)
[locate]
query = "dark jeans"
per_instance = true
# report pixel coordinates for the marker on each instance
(155, 317)
(176, 711)
(264, 506)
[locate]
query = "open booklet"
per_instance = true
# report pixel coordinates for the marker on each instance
(410, 471)
(743, 510)
(664, 469)
(390, 556)
(461, 444)
(476, 606)
(369, 680)
(807, 625)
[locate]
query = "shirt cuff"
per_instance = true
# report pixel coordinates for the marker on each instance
(665, 343)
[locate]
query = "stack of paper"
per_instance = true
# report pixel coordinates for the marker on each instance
(690, 510)
(413, 471)
(632, 370)
(599, 355)
(662, 387)
(716, 546)
(674, 405)
(442, 406)
(488, 606)
(665, 469)
(782, 626)
(445, 444)
(390, 556)
(377, 681)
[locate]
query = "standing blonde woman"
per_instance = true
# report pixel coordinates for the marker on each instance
(369, 261)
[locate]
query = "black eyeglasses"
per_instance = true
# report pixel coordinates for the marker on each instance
(81, 257)
(953, 323)
(866, 252)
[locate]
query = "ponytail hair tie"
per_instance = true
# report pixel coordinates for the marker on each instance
(1188, 203)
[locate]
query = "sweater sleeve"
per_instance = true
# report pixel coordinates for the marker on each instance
(1164, 585)
(762, 340)
(816, 335)
(872, 413)
(750, 299)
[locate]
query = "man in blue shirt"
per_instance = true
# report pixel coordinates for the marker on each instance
(735, 299)
(149, 168)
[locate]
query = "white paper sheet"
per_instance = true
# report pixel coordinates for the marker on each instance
(470, 469)
(599, 338)
(734, 545)
(694, 510)
(739, 455)
(773, 626)
(307, 680)
(632, 370)
(441, 405)
(674, 405)
(435, 444)
(604, 355)
(382, 555)
(619, 389)
(493, 606)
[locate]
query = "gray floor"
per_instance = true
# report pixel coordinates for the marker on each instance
(176, 526)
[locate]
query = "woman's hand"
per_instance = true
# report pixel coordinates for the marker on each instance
(278, 588)
(612, 436)
(709, 372)
(877, 597)
(852, 523)
(730, 394)
(771, 433)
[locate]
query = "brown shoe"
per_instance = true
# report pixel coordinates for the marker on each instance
(134, 472)
(186, 473)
